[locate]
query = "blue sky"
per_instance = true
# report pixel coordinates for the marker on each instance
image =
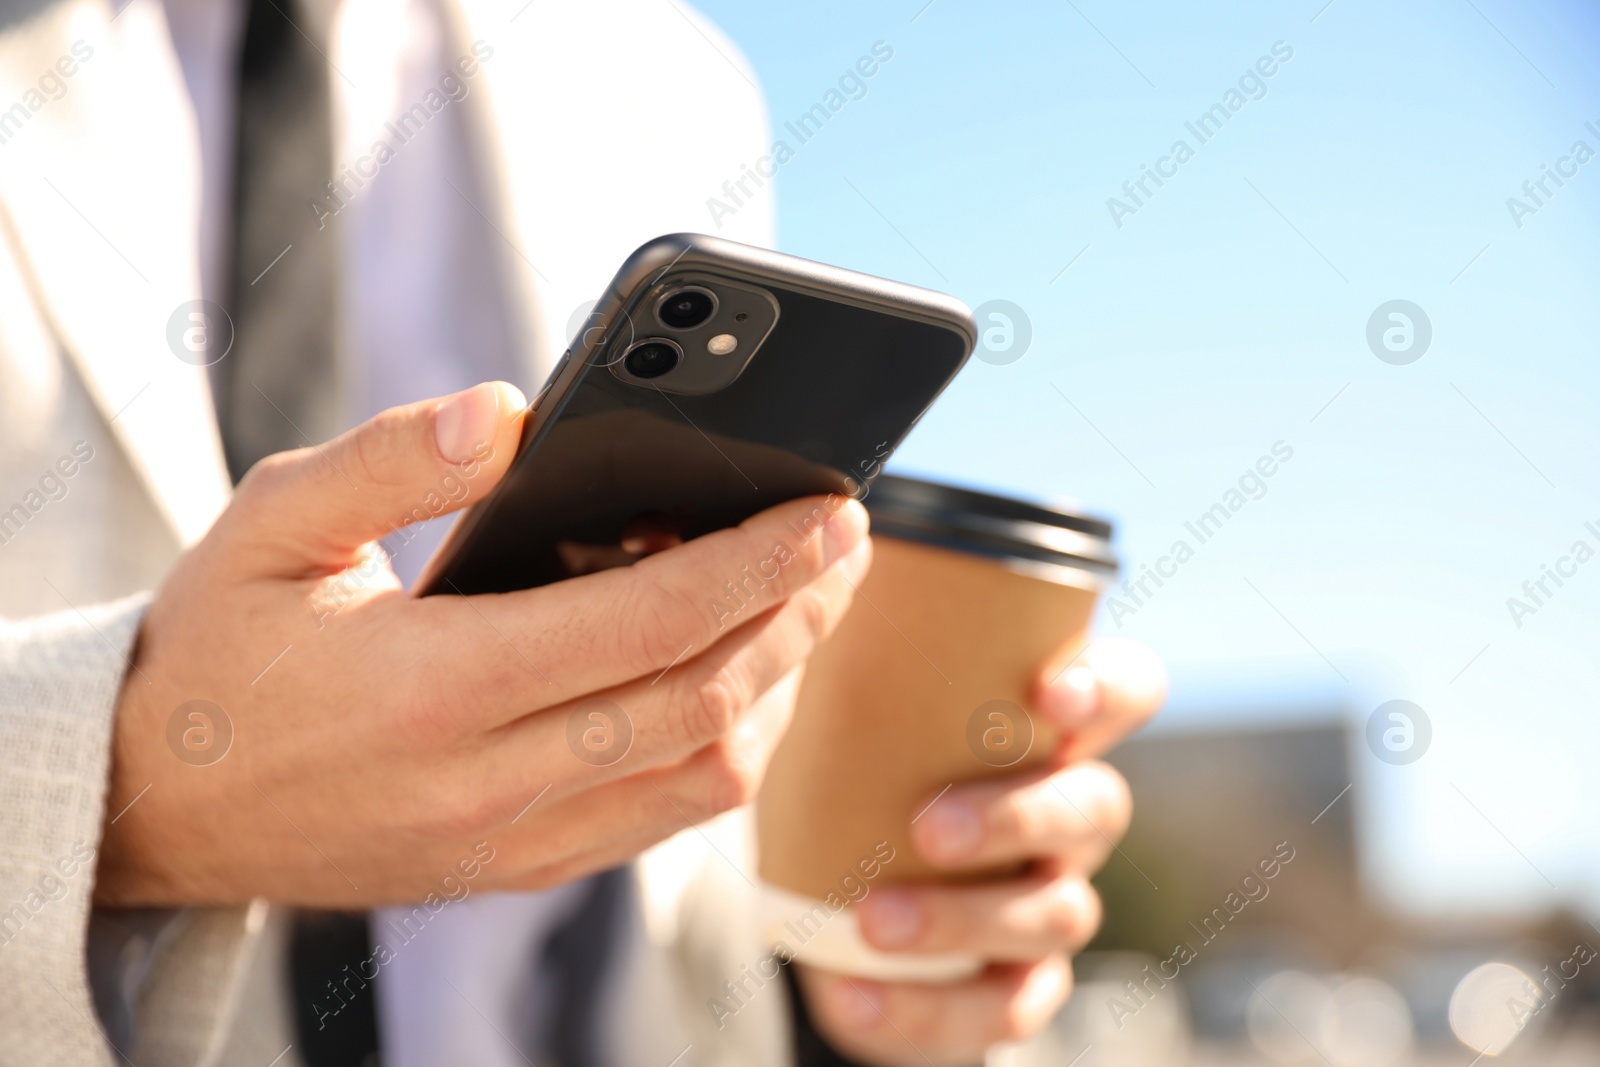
(1229, 312)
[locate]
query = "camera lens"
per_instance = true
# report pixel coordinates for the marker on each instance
(651, 359)
(686, 308)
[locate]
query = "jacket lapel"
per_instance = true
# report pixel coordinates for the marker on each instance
(99, 192)
(479, 29)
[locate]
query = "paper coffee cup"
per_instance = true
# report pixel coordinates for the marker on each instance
(925, 684)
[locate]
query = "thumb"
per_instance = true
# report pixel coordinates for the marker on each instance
(311, 510)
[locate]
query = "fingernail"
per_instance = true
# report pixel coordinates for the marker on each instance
(951, 830)
(1074, 697)
(846, 529)
(857, 1002)
(466, 422)
(891, 918)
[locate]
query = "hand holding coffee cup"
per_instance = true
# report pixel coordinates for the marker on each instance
(959, 940)
(1061, 820)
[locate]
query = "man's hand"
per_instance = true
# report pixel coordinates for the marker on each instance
(379, 738)
(1064, 820)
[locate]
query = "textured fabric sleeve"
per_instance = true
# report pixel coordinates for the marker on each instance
(59, 680)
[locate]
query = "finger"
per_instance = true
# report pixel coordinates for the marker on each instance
(716, 778)
(716, 712)
(938, 1024)
(308, 511)
(553, 842)
(542, 841)
(1100, 694)
(556, 841)
(1016, 919)
(1074, 815)
(565, 641)
(698, 702)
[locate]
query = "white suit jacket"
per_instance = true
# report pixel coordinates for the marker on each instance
(110, 465)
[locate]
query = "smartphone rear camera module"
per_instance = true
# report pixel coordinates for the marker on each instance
(684, 309)
(704, 332)
(652, 359)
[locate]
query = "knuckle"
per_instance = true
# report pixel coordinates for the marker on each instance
(267, 480)
(731, 782)
(712, 707)
(268, 472)
(1097, 801)
(656, 621)
(1141, 674)
(789, 558)
(374, 447)
(1016, 1021)
(1115, 807)
(1028, 815)
(1025, 1012)
(456, 808)
(811, 554)
(428, 723)
(437, 705)
(1062, 922)
(814, 618)
(1090, 913)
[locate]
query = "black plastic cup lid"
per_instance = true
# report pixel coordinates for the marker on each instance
(1015, 532)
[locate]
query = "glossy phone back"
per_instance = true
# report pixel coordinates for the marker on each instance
(612, 466)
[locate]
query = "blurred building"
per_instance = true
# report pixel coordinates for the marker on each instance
(1238, 928)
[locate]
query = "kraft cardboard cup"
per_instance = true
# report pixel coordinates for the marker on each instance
(925, 684)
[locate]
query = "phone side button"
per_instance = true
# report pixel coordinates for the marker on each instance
(555, 372)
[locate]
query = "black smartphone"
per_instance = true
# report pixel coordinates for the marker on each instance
(713, 380)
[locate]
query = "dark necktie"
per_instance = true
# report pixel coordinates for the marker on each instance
(579, 958)
(278, 387)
